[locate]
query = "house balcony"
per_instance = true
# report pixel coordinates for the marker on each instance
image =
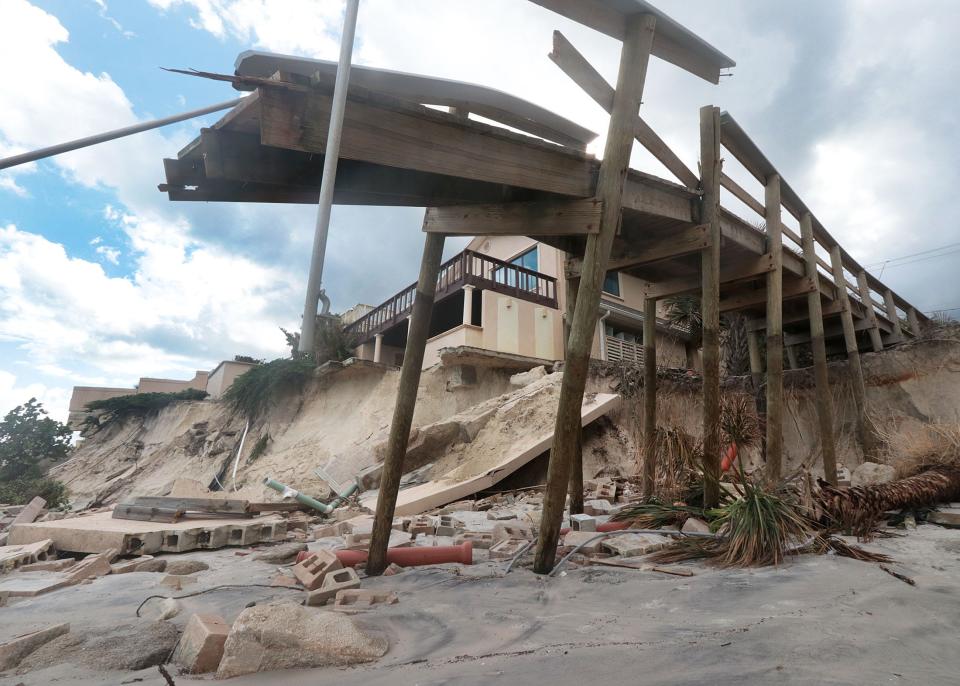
(467, 270)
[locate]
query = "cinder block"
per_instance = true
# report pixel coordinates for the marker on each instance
(583, 522)
(312, 570)
(421, 524)
(606, 491)
(632, 545)
(357, 600)
(597, 507)
(201, 645)
(504, 550)
(448, 526)
(513, 529)
(334, 582)
(479, 539)
(358, 540)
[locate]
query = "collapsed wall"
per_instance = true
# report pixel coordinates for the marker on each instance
(339, 422)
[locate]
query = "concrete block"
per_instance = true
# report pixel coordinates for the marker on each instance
(357, 600)
(326, 531)
(49, 565)
(506, 549)
(606, 491)
(513, 529)
(597, 507)
(312, 570)
(334, 582)
(575, 538)
(29, 513)
(91, 567)
(358, 540)
(14, 650)
(696, 526)
(583, 522)
(201, 645)
(127, 566)
(459, 506)
(631, 545)
(479, 539)
(448, 526)
(421, 525)
(177, 581)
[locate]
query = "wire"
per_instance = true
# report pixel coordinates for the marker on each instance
(214, 588)
(921, 256)
(605, 534)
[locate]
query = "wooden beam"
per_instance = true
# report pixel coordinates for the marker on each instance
(571, 286)
(742, 194)
(426, 140)
(868, 441)
(824, 399)
(729, 273)
(711, 171)
(649, 397)
(634, 58)
(794, 288)
(556, 218)
(682, 242)
(576, 66)
(775, 332)
(399, 437)
(867, 300)
(913, 320)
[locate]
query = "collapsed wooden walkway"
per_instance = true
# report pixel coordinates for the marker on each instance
(536, 180)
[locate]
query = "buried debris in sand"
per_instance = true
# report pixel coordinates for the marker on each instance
(288, 636)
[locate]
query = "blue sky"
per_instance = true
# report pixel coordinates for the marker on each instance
(103, 280)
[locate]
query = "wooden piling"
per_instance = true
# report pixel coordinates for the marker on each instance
(756, 359)
(774, 331)
(417, 334)
(891, 305)
(824, 399)
(649, 397)
(868, 441)
(914, 321)
(634, 57)
(576, 467)
(863, 286)
(711, 173)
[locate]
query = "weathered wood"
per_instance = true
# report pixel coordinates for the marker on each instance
(913, 320)
(794, 288)
(634, 58)
(824, 399)
(774, 331)
(677, 243)
(891, 304)
(711, 171)
(868, 441)
(399, 437)
(756, 359)
(576, 468)
(742, 194)
(729, 273)
(649, 397)
(423, 140)
(559, 218)
(576, 66)
(863, 286)
(218, 505)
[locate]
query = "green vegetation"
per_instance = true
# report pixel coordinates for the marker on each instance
(260, 448)
(252, 392)
(30, 442)
(142, 404)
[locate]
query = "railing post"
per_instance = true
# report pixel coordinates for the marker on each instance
(864, 286)
(914, 321)
(892, 315)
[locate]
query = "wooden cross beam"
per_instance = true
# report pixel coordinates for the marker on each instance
(795, 288)
(554, 218)
(683, 242)
(729, 273)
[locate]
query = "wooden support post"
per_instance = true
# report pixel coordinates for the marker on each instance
(711, 173)
(863, 286)
(774, 331)
(649, 397)
(576, 467)
(867, 439)
(634, 57)
(417, 333)
(821, 377)
(792, 357)
(914, 321)
(892, 315)
(756, 359)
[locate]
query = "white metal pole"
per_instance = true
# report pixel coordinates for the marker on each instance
(327, 183)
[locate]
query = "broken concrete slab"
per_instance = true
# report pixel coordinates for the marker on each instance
(632, 545)
(185, 567)
(177, 581)
(29, 513)
(450, 487)
(134, 565)
(280, 554)
(201, 646)
(13, 556)
(285, 635)
(597, 507)
(49, 565)
(575, 538)
(119, 647)
(97, 532)
(16, 649)
(695, 526)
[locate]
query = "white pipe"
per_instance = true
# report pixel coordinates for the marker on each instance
(603, 335)
(239, 451)
(327, 183)
(42, 153)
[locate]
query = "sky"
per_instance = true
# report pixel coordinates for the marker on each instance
(103, 280)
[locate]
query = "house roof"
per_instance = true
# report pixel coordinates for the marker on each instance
(426, 90)
(672, 41)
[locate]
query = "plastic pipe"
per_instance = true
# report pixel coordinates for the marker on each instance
(414, 556)
(298, 496)
(612, 526)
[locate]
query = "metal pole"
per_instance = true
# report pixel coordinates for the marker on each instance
(40, 154)
(327, 183)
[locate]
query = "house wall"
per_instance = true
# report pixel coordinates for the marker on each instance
(148, 385)
(223, 376)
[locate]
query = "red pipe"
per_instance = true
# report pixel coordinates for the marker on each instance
(414, 556)
(729, 457)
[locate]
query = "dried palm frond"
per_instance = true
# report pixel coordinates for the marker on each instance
(738, 421)
(859, 508)
(653, 514)
(678, 463)
(823, 544)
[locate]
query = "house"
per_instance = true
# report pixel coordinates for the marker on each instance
(508, 294)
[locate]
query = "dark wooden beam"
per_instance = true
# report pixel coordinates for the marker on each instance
(557, 218)
(729, 273)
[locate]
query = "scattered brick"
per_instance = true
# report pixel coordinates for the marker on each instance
(334, 582)
(201, 646)
(504, 550)
(311, 571)
(357, 600)
(583, 522)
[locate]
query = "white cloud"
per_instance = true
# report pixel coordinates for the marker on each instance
(54, 399)
(111, 255)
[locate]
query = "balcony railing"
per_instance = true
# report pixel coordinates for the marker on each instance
(619, 350)
(468, 268)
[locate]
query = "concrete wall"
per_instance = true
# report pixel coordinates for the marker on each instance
(82, 395)
(465, 334)
(223, 376)
(148, 385)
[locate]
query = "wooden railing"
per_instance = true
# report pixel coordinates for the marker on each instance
(468, 268)
(619, 350)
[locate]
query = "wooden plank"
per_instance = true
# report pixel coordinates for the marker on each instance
(423, 140)
(729, 273)
(794, 288)
(218, 505)
(557, 218)
(576, 66)
(742, 194)
(867, 301)
(683, 242)
(656, 197)
(774, 445)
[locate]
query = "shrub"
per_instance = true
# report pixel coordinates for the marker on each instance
(22, 491)
(142, 404)
(252, 392)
